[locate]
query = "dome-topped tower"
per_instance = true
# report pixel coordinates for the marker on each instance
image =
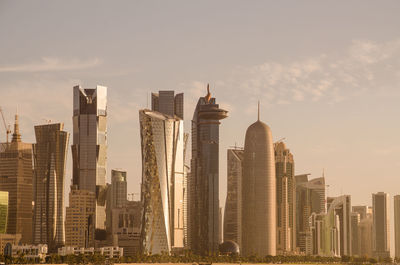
(258, 192)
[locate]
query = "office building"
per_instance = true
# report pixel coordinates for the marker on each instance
(79, 220)
(119, 188)
(355, 221)
(50, 158)
(258, 192)
(126, 225)
(233, 204)
(89, 148)
(285, 199)
(3, 211)
(341, 207)
(381, 225)
(162, 141)
(397, 226)
(364, 230)
(310, 198)
(16, 174)
(168, 103)
(203, 184)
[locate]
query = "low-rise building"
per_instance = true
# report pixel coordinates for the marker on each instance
(30, 251)
(107, 252)
(9, 239)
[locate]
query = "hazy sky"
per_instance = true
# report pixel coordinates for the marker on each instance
(327, 74)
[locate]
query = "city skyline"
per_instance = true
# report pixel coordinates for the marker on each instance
(328, 85)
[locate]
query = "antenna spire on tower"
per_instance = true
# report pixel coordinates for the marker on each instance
(258, 111)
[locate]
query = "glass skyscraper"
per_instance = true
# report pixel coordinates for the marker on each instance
(89, 148)
(163, 183)
(50, 157)
(3, 211)
(204, 178)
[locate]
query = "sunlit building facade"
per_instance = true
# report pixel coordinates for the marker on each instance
(258, 192)
(162, 142)
(3, 211)
(233, 204)
(203, 183)
(89, 148)
(310, 198)
(50, 157)
(381, 225)
(397, 226)
(285, 199)
(16, 177)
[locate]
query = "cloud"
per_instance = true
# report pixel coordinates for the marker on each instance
(364, 66)
(50, 64)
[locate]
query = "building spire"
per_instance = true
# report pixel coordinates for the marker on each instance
(208, 96)
(258, 111)
(16, 137)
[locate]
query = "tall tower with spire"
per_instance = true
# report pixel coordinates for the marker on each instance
(16, 173)
(203, 183)
(258, 192)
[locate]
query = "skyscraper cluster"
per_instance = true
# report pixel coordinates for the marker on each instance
(269, 209)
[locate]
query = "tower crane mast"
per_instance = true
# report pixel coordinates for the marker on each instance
(7, 128)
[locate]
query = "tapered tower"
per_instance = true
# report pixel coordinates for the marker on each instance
(258, 192)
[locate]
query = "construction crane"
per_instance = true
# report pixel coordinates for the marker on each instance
(7, 128)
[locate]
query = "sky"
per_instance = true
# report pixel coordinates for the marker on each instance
(326, 73)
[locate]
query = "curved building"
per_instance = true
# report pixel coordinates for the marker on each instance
(258, 192)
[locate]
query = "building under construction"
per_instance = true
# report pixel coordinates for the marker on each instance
(16, 175)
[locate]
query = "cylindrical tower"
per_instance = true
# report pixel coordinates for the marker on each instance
(258, 192)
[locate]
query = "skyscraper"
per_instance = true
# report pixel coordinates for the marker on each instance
(310, 198)
(204, 178)
(50, 157)
(89, 148)
(119, 188)
(233, 203)
(341, 207)
(355, 221)
(381, 225)
(16, 174)
(364, 230)
(397, 225)
(259, 192)
(285, 199)
(162, 141)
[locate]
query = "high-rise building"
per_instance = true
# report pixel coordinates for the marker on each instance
(341, 207)
(330, 232)
(285, 199)
(204, 178)
(89, 148)
(16, 174)
(162, 141)
(259, 192)
(50, 157)
(233, 203)
(3, 211)
(381, 225)
(310, 198)
(79, 218)
(119, 188)
(364, 232)
(397, 226)
(381, 228)
(355, 221)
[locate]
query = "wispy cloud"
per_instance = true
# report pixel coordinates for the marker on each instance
(364, 66)
(50, 64)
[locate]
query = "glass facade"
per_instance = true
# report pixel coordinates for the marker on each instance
(50, 157)
(3, 211)
(203, 183)
(89, 148)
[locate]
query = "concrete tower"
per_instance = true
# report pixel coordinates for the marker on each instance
(381, 225)
(397, 226)
(204, 179)
(259, 192)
